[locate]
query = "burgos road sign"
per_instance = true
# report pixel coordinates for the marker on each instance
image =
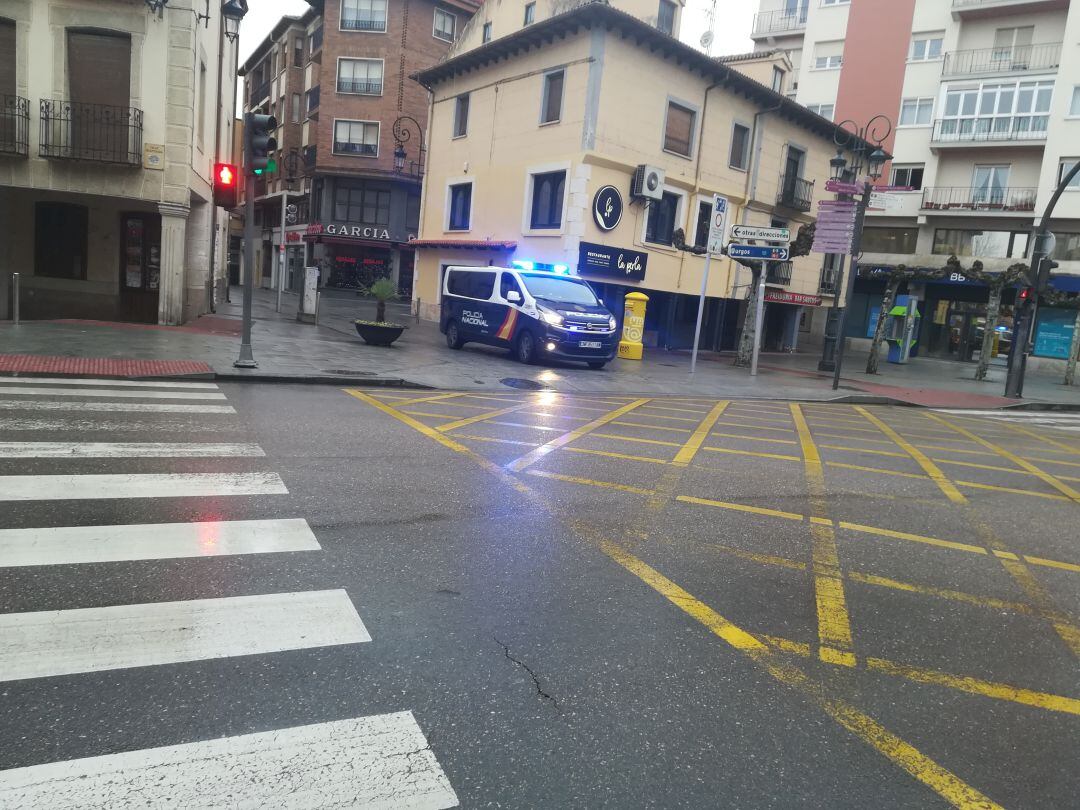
(762, 252)
(765, 234)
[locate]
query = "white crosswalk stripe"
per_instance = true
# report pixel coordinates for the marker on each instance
(1060, 420)
(106, 383)
(117, 407)
(127, 449)
(137, 485)
(107, 392)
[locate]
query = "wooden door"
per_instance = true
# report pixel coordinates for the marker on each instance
(140, 267)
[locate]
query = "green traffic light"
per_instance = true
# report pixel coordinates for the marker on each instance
(257, 172)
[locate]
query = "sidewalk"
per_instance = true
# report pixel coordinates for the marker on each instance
(332, 352)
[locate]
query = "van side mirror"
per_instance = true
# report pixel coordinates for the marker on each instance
(601, 300)
(513, 296)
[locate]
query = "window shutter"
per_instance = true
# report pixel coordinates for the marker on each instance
(7, 58)
(99, 68)
(677, 135)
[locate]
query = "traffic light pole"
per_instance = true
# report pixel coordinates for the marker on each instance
(246, 358)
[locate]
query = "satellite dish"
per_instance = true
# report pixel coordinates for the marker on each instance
(706, 39)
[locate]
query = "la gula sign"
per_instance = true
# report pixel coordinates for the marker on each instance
(352, 231)
(607, 208)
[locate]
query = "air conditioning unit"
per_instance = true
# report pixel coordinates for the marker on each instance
(648, 183)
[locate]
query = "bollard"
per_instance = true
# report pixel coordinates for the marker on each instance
(630, 347)
(15, 297)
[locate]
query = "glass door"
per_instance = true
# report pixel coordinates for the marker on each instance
(989, 184)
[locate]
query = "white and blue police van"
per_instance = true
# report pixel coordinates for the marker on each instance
(536, 314)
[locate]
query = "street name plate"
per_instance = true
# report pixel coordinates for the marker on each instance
(765, 234)
(761, 252)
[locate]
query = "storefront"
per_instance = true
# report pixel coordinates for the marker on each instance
(787, 317)
(355, 256)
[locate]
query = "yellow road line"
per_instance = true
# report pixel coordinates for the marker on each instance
(916, 538)
(754, 427)
(834, 623)
(573, 479)
(669, 481)
(751, 453)
(649, 414)
(1054, 461)
(1056, 483)
(1050, 496)
(659, 442)
(702, 411)
(988, 602)
(693, 444)
(754, 438)
(789, 646)
(561, 441)
(608, 454)
(654, 427)
(430, 398)
(861, 468)
(741, 507)
(849, 437)
(480, 417)
(427, 413)
(1064, 566)
(1046, 439)
(493, 439)
(761, 559)
(891, 453)
(928, 466)
(943, 782)
(494, 398)
(755, 418)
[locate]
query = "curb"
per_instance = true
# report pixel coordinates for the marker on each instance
(369, 382)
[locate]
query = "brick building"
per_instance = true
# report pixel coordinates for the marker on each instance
(356, 124)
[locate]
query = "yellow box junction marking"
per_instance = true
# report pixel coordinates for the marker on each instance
(834, 624)
(1045, 439)
(693, 444)
(481, 417)
(928, 466)
(561, 441)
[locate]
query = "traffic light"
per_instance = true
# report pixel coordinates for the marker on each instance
(1042, 276)
(226, 185)
(259, 143)
(1023, 295)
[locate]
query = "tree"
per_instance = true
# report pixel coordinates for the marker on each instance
(1060, 300)
(997, 282)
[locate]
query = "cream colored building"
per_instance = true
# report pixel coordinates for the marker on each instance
(113, 115)
(527, 128)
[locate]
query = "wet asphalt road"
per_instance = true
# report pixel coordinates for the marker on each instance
(582, 601)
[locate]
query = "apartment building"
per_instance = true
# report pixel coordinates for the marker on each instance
(985, 99)
(352, 127)
(112, 113)
(582, 141)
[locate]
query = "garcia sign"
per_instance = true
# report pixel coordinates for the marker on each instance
(607, 208)
(352, 231)
(601, 260)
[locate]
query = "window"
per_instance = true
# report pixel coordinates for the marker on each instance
(200, 126)
(362, 76)
(298, 52)
(1074, 105)
(1063, 169)
(916, 112)
(530, 13)
(471, 284)
(835, 2)
(660, 225)
(461, 115)
(445, 25)
(356, 138)
(296, 108)
(989, 184)
(701, 229)
(925, 47)
(907, 176)
(778, 79)
(1067, 247)
(679, 130)
(508, 284)
(824, 110)
(547, 200)
(551, 103)
(739, 156)
(7, 57)
(60, 258)
(889, 240)
(829, 55)
(828, 62)
(460, 209)
(987, 244)
(361, 203)
(665, 17)
(363, 15)
(485, 35)
(996, 111)
(1012, 47)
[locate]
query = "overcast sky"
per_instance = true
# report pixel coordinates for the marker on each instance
(733, 19)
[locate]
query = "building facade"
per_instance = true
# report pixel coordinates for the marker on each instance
(353, 126)
(112, 117)
(985, 98)
(537, 136)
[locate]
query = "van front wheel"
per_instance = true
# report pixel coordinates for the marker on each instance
(453, 336)
(526, 347)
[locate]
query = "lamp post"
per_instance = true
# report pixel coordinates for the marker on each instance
(233, 11)
(402, 134)
(858, 141)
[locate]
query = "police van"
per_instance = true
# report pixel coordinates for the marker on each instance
(534, 313)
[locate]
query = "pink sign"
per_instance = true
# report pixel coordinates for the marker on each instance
(894, 188)
(841, 187)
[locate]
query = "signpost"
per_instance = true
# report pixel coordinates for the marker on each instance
(717, 229)
(840, 187)
(764, 234)
(765, 253)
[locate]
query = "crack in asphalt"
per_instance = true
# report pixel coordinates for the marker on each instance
(536, 681)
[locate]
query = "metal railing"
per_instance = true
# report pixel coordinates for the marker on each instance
(259, 92)
(781, 21)
(992, 130)
(1046, 56)
(311, 153)
(316, 41)
(978, 199)
(348, 148)
(14, 125)
(365, 88)
(778, 273)
(313, 98)
(827, 284)
(73, 130)
(795, 192)
(972, 5)
(362, 24)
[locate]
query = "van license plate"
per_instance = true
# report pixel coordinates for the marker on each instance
(590, 344)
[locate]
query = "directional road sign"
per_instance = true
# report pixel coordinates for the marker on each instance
(765, 234)
(718, 224)
(841, 187)
(761, 252)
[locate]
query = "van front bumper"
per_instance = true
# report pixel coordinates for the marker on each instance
(566, 345)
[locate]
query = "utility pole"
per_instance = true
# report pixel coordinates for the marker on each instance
(759, 316)
(281, 251)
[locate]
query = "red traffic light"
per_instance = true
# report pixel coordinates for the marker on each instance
(226, 191)
(1023, 295)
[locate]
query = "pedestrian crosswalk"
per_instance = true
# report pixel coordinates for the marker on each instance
(1061, 420)
(57, 460)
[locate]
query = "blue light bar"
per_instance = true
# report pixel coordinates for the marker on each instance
(523, 265)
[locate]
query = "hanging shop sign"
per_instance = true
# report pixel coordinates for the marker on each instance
(347, 230)
(781, 297)
(607, 208)
(613, 262)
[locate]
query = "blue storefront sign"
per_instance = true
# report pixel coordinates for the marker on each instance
(1053, 333)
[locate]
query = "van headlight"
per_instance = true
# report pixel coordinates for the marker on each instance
(611, 322)
(553, 318)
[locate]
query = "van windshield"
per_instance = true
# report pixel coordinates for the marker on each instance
(559, 289)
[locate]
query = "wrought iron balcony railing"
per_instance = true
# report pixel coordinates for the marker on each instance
(102, 133)
(14, 126)
(978, 199)
(348, 148)
(363, 24)
(1046, 56)
(316, 41)
(778, 273)
(779, 22)
(313, 99)
(259, 92)
(364, 88)
(990, 129)
(795, 192)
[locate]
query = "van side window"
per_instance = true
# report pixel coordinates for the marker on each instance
(471, 285)
(507, 284)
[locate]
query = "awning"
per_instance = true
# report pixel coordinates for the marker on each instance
(462, 244)
(347, 240)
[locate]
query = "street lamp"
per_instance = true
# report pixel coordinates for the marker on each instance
(402, 133)
(864, 145)
(399, 157)
(233, 11)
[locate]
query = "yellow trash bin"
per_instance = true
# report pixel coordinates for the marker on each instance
(630, 347)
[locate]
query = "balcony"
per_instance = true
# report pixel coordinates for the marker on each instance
(259, 93)
(363, 88)
(349, 148)
(312, 101)
(989, 131)
(363, 24)
(316, 42)
(14, 126)
(830, 279)
(987, 61)
(310, 155)
(783, 21)
(983, 200)
(975, 9)
(99, 133)
(778, 273)
(795, 193)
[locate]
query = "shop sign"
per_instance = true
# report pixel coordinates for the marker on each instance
(292, 236)
(799, 299)
(607, 208)
(614, 262)
(351, 231)
(1053, 335)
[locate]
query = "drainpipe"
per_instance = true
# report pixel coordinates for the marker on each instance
(217, 146)
(697, 170)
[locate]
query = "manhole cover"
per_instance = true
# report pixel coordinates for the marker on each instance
(348, 372)
(526, 385)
